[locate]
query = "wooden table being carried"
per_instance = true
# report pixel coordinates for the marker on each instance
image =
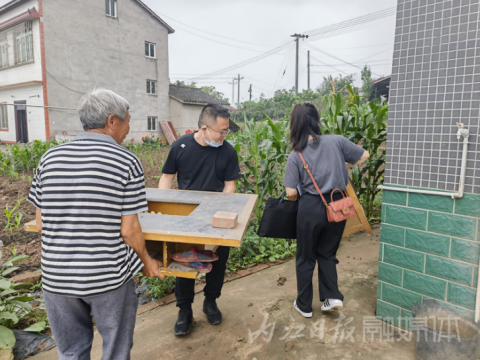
(183, 219)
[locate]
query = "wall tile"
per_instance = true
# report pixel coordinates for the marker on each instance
(454, 225)
(404, 216)
(425, 284)
(449, 269)
(465, 250)
(405, 258)
(394, 197)
(390, 274)
(392, 234)
(400, 297)
(430, 202)
(468, 205)
(406, 319)
(385, 310)
(461, 295)
(427, 242)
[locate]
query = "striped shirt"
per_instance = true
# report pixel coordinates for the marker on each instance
(83, 188)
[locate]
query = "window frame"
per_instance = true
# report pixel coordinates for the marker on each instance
(149, 50)
(149, 87)
(152, 120)
(109, 8)
(29, 36)
(4, 42)
(3, 105)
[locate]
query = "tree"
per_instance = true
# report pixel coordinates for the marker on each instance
(210, 90)
(184, 84)
(340, 83)
(367, 83)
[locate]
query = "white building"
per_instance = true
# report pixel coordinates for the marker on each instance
(52, 52)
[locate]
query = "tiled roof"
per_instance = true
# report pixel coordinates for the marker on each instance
(192, 95)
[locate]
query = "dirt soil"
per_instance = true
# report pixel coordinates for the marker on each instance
(28, 243)
(257, 299)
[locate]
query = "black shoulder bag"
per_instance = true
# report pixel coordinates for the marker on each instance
(279, 220)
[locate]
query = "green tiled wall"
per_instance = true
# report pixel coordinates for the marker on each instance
(429, 248)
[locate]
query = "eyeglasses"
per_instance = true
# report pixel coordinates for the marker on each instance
(222, 133)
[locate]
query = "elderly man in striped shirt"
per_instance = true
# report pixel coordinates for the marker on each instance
(88, 193)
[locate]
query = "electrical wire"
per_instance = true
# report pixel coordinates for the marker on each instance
(331, 30)
(220, 36)
(245, 62)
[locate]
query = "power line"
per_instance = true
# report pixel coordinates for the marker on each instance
(385, 61)
(330, 30)
(224, 37)
(360, 47)
(219, 42)
(243, 63)
(329, 65)
(335, 57)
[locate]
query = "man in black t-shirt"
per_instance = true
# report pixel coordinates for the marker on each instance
(203, 161)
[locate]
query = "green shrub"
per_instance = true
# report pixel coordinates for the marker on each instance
(13, 305)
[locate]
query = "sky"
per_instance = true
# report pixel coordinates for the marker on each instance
(212, 36)
(257, 26)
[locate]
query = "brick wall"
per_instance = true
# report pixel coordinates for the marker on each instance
(430, 244)
(429, 248)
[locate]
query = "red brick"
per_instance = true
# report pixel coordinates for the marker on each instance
(225, 220)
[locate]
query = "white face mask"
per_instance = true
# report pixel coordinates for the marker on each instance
(211, 142)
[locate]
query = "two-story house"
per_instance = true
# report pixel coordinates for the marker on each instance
(53, 51)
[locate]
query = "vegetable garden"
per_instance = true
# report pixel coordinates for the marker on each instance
(262, 147)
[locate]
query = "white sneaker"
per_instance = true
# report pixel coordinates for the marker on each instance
(304, 314)
(332, 305)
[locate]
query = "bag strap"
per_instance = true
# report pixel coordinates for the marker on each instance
(305, 165)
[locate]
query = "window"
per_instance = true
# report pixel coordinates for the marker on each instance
(151, 87)
(149, 49)
(152, 123)
(23, 43)
(111, 8)
(3, 51)
(3, 117)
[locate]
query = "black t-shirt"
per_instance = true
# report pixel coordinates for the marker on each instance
(201, 168)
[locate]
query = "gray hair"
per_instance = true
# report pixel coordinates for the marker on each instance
(97, 105)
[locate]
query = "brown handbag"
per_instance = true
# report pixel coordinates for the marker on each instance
(339, 210)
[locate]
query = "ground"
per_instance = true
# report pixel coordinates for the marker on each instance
(244, 303)
(28, 243)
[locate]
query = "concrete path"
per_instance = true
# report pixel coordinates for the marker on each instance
(250, 301)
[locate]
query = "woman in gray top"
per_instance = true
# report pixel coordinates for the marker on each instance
(317, 239)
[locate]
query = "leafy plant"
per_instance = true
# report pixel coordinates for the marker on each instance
(255, 249)
(157, 288)
(14, 305)
(261, 148)
(17, 216)
(366, 125)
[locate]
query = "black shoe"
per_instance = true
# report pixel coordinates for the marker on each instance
(214, 315)
(184, 322)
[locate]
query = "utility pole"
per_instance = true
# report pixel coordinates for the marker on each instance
(238, 79)
(308, 66)
(250, 91)
(233, 91)
(297, 37)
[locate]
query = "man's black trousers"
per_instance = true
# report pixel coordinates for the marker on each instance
(317, 241)
(185, 288)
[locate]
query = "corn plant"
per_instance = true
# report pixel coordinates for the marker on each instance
(364, 124)
(13, 218)
(261, 148)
